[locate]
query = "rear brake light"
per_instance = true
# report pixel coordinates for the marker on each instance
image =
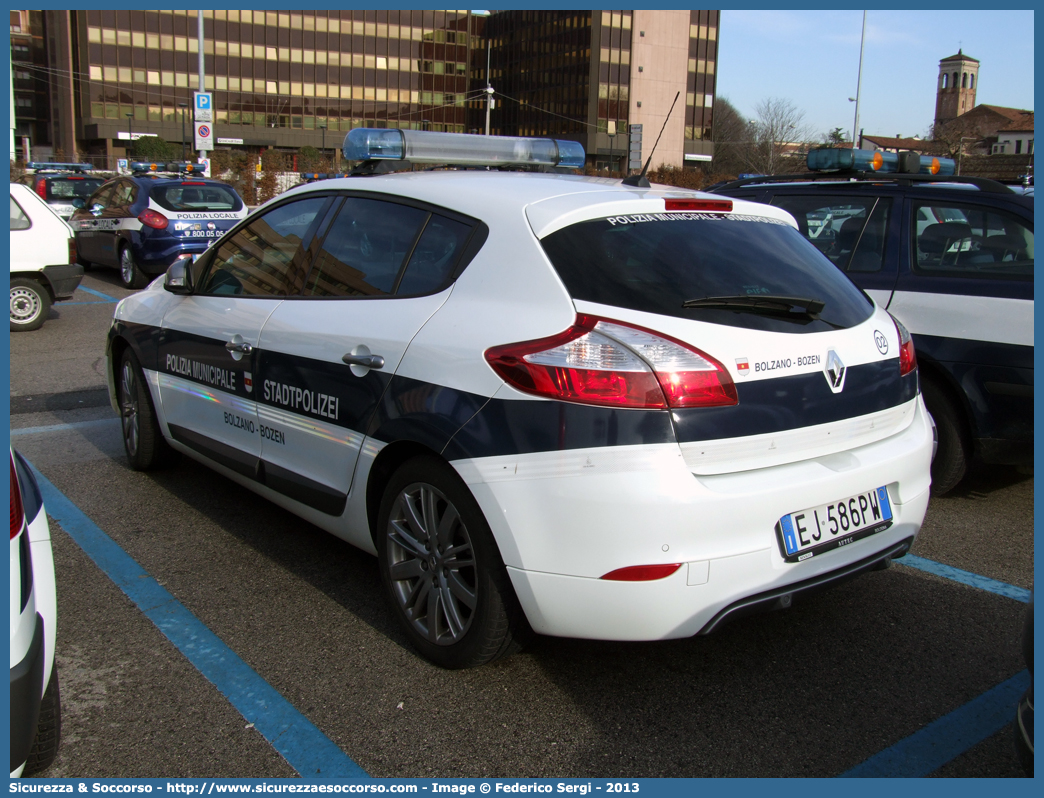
(907, 355)
(17, 514)
(720, 206)
(153, 219)
(642, 573)
(192, 183)
(41, 188)
(612, 364)
(72, 251)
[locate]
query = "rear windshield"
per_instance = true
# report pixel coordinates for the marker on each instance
(188, 197)
(656, 263)
(69, 188)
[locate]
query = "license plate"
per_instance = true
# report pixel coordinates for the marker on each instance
(818, 529)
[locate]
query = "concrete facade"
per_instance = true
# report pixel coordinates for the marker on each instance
(659, 58)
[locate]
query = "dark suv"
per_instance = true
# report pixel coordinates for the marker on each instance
(58, 184)
(952, 259)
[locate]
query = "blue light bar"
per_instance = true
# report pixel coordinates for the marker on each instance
(462, 149)
(937, 166)
(835, 160)
(321, 175)
(38, 166)
(178, 167)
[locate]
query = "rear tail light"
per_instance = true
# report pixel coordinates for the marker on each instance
(907, 355)
(17, 513)
(612, 364)
(151, 218)
(642, 573)
(41, 188)
(73, 257)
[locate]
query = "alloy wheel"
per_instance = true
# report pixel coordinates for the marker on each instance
(129, 407)
(431, 564)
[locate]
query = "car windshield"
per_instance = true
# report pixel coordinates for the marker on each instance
(69, 188)
(190, 196)
(659, 264)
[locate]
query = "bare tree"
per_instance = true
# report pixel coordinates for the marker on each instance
(777, 135)
(730, 138)
(948, 136)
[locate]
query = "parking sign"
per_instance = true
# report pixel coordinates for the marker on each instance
(203, 105)
(204, 136)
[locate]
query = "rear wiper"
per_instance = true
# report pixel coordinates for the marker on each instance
(765, 303)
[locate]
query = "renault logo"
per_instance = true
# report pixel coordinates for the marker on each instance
(834, 371)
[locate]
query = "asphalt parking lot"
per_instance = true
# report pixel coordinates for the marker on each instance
(840, 679)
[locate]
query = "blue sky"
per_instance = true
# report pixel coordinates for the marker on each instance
(812, 59)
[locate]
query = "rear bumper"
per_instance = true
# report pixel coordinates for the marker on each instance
(64, 279)
(26, 695)
(564, 519)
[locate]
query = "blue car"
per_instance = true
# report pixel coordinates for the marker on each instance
(142, 223)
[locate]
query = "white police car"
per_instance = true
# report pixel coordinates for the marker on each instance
(161, 213)
(59, 184)
(594, 409)
(36, 710)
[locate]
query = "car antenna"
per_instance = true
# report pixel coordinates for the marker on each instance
(641, 181)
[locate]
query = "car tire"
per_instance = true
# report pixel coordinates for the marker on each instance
(48, 729)
(30, 304)
(954, 452)
(142, 440)
(131, 274)
(477, 617)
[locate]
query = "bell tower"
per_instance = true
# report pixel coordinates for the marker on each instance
(955, 92)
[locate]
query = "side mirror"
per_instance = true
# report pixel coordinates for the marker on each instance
(79, 203)
(178, 279)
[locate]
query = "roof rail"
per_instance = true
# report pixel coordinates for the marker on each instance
(852, 176)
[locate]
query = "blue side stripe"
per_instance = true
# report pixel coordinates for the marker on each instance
(308, 751)
(943, 740)
(96, 293)
(966, 577)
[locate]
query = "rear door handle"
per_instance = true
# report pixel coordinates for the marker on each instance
(239, 346)
(366, 361)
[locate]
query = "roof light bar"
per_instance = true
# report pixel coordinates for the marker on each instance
(39, 166)
(837, 160)
(321, 175)
(463, 149)
(178, 167)
(937, 166)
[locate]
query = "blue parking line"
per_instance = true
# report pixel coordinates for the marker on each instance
(96, 293)
(62, 427)
(966, 578)
(308, 751)
(943, 740)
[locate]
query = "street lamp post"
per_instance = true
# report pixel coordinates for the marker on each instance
(183, 107)
(960, 150)
(611, 130)
(130, 133)
(323, 128)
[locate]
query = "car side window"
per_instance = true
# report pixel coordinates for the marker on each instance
(103, 196)
(19, 221)
(365, 248)
(434, 257)
(837, 225)
(124, 195)
(265, 257)
(955, 240)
